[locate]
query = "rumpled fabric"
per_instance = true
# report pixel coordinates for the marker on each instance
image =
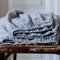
(18, 27)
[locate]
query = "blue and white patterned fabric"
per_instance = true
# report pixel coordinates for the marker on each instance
(34, 28)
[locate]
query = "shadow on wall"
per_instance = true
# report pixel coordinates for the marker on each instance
(3, 7)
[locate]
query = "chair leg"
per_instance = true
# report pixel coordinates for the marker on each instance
(13, 56)
(2, 56)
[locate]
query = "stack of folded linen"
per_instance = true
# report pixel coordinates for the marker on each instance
(34, 28)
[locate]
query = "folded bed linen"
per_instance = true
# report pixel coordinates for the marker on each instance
(18, 27)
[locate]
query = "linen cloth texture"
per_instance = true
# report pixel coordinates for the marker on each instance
(18, 27)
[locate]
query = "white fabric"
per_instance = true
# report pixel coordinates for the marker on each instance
(26, 22)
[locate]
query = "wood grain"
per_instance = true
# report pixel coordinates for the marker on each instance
(29, 49)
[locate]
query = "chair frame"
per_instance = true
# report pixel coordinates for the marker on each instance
(7, 50)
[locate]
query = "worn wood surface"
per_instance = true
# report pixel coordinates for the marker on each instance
(29, 49)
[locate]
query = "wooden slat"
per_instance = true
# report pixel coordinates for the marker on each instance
(29, 49)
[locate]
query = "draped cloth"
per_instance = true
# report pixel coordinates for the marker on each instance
(18, 27)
